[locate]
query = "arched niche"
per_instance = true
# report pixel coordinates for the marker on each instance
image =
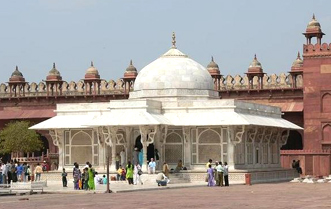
(326, 133)
(81, 148)
(294, 141)
(173, 147)
(326, 101)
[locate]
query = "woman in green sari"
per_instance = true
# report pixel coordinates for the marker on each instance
(129, 172)
(91, 174)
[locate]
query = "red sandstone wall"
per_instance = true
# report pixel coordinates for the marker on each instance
(317, 77)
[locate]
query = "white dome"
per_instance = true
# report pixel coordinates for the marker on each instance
(173, 71)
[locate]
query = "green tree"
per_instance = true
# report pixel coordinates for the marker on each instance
(17, 137)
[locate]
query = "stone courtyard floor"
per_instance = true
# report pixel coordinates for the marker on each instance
(276, 195)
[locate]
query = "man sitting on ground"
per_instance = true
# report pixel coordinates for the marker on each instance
(161, 179)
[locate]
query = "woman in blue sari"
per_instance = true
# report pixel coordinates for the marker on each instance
(210, 174)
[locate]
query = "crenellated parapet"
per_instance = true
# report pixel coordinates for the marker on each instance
(273, 81)
(71, 88)
(316, 50)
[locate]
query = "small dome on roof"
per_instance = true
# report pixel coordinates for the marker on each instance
(92, 70)
(255, 66)
(131, 68)
(54, 71)
(255, 63)
(212, 65)
(298, 62)
(313, 23)
(16, 73)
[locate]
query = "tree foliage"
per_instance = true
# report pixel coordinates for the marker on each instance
(17, 137)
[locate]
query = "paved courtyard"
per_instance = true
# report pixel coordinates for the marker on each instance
(279, 195)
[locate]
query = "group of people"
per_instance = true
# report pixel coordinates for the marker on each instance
(14, 171)
(131, 173)
(82, 180)
(217, 175)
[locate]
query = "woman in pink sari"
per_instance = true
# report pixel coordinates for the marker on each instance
(210, 174)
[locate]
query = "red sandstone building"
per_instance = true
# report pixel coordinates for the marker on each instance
(303, 94)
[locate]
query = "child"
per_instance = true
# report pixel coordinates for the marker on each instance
(119, 174)
(104, 179)
(64, 178)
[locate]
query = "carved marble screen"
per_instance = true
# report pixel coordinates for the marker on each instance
(208, 143)
(81, 147)
(174, 146)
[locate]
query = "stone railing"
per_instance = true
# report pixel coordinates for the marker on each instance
(273, 81)
(227, 83)
(72, 88)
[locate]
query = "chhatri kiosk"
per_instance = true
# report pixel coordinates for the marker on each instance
(175, 109)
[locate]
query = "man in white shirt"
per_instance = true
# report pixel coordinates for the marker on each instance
(219, 173)
(151, 166)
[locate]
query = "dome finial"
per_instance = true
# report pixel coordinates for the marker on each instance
(174, 40)
(16, 68)
(53, 64)
(255, 57)
(314, 16)
(212, 58)
(299, 57)
(91, 63)
(131, 62)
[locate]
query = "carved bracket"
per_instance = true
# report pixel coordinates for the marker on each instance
(251, 134)
(98, 131)
(277, 133)
(110, 134)
(283, 138)
(56, 135)
(267, 135)
(164, 132)
(149, 131)
(236, 133)
(260, 135)
(186, 133)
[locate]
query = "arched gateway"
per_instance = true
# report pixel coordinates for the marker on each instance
(174, 107)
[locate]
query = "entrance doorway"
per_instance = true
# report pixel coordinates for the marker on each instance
(150, 148)
(294, 141)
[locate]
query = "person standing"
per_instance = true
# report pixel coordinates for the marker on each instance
(38, 170)
(117, 161)
(208, 163)
(141, 157)
(91, 175)
(25, 172)
(4, 173)
(151, 166)
(226, 174)
(165, 169)
(86, 179)
(219, 173)
(135, 156)
(129, 172)
(64, 178)
(1, 171)
(9, 175)
(77, 176)
(123, 158)
(137, 173)
(19, 172)
(210, 174)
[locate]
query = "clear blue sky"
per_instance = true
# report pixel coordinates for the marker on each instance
(71, 33)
